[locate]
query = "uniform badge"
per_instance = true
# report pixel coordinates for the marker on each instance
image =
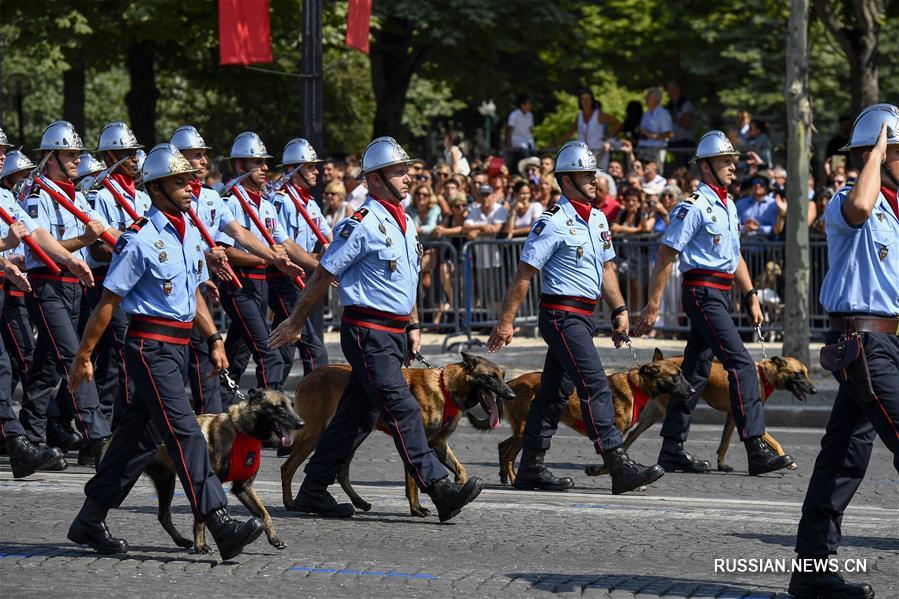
(121, 227)
(210, 203)
(167, 287)
(198, 248)
(163, 257)
(569, 222)
(120, 245)
(345, 233)
(32, 211)
(573, 231)
(212, 214)
(601, 226)
(62, 230)
(606, 239)
(159, 244)
(419, 248)
(717, 240)
(269, 224)
(714, 219)
(709, 209)
(884, 251)
(880, 216)
(682, 213)
(580, 251)
(389, 242)
(382, 228)
(538, 228)
(358, 215)
(392, 265)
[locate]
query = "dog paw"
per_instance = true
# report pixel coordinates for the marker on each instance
(595, 470)
(202, 549)
(277, 543)
(361, 504)
(420, 512)
(184, 543)
(503, 479)
(722, 467)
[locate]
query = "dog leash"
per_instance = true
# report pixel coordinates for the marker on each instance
(229, 382)
(417, 355)
(761, 340)
(630, 346)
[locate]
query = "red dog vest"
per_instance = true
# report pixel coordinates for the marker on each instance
(245, 457)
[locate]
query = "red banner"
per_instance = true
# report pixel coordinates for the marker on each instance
(358, 22)
(244, 32)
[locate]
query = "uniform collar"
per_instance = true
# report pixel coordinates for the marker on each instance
(568, 208)
(711, 192)
(159, 220)
(381, 212)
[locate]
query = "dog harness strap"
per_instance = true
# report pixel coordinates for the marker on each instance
(767, 386)
(640, 400)
(245, 457)
(450, 409)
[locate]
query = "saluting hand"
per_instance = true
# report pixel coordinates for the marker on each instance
(500, 336)
(647, 320)
(80, 371)
(286, 332)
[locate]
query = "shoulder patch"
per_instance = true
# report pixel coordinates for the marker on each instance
(138, 224)
(358, 215)
(120, 244)
(682, 213)
(692, 198)
(538, 228)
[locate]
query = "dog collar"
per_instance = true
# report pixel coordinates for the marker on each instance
(450, 409)
(767, 386)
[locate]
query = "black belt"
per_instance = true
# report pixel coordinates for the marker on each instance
(175, 332)
(865, 324)
(708, 278)
(568, 303)
(370, 318)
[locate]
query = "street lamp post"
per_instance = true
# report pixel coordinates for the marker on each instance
(20, 86)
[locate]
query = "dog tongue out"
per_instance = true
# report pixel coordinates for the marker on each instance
(286, 437)
(492, 412)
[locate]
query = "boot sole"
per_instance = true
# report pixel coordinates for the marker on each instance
(23, 472)
(234, 552)
(652, 476)
(753, 472)
(322, 514)
(537, 487)
(471, 497)
(684, 469)
(82, 542)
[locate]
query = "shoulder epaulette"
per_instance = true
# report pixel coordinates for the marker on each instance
(358, 215)
(138, 224)
(207, 187)
(692, 198)
(553, 209)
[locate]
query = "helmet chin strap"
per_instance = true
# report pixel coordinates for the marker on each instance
(393, 191)
(304, 179)
(171, 200)
(62, 169)
(715, 176)
(579, 189)
(886, 173)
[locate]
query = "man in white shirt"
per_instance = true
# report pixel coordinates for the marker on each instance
(655, 129)
(356, 189)
(651, 176)
(485, 221)
(519, 139)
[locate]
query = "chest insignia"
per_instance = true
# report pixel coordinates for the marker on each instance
(167, 287)
(606, 239)
(163, 257)
(714, 219)
(569, 222)
(159, 244)
(880, 216)
(392, 265)
(580, 251)
(709, 209)
(382, 228)
(717, 240)
(573, 231)
(198, 248)
(884, 252)
(389, 242)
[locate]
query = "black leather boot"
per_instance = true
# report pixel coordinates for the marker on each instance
(449, 498)
(534, 476)
(89, 455)
(762, 458)
(61, 435)
(25, 457)
(89, 528)
(313, 498)
(627, 474)
(673, 458)
(231, 536)
(827, 585)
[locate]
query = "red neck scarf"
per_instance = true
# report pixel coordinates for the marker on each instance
(721, 191)
(125, 182)
(303, 193)
(246, 455)
(583, 209)
(178, 223)
(890, 195)
(67, 187)
(195, 186)
(255, 197)
(396, 211)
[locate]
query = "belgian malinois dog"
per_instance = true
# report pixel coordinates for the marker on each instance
(649, 381)
(266, 416)
(774, 373)
(473, 384)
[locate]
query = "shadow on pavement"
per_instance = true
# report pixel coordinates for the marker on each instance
(650, 586)
(882, 543)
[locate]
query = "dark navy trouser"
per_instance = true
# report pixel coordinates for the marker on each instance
(54, 308)
(18, 338)
(204, 382)
(376, 389)
(713, 334)
(847, 444)
(282, 296)
(110, 372)
(159, 408)
(248, 309)
(571, 355)
(9, 423)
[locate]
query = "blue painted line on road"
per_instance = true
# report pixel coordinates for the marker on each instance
(362, 572)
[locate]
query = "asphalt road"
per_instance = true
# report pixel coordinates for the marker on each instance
(659, 543)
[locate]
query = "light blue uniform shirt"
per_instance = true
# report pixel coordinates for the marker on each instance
(58, 221)
(863, 276)
(293, 222)
(154, 272)
(266, 213)
(102, 201)
(764, 213)
(570, 251)
(212, 212)
(8, 203)
(377, 265)
(705, 231)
